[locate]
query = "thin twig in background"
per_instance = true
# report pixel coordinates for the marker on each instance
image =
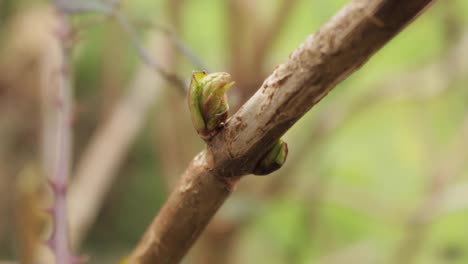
(146, 57)
(32, 39)
(126, 24)
(175, 148)
(180, 46)
(326, 58)
(97, 166)
(57, 143)
(76, 7)
(110, 8)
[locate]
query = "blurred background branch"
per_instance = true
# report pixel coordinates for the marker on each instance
(56, 112)
(107, 148)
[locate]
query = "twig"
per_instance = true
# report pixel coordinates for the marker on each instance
(74, 7)
(341, 46)
(180, 46)
(146, 57)
(58, 145)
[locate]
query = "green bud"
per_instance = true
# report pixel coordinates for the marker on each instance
(208, 101)
(273, 159)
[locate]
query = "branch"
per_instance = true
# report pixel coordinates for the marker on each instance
(423, 83)
(340, 47)
(109, 8)
(57, 136)
(181, 47)
(145, 56)
(73, 7)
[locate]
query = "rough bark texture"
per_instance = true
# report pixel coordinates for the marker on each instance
(194, 201)
(340, 47)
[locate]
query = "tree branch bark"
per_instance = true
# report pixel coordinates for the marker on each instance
(339, 48)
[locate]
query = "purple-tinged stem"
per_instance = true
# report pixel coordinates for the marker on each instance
(60, 169)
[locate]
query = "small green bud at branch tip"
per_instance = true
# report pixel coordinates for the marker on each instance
(208, 102)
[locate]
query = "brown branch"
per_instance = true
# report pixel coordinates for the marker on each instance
(423, 83)
(339, 48)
